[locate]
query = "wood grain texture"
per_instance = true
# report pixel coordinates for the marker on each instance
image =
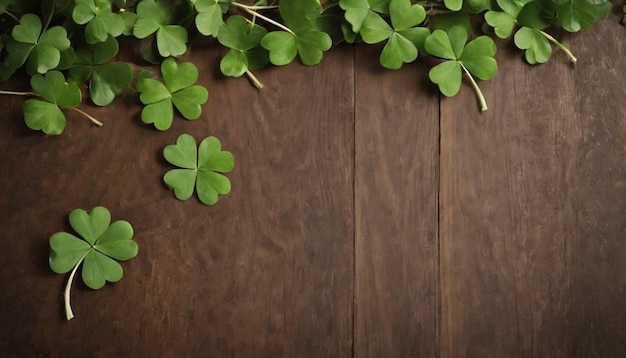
(396, 179)
(532, 208)
(266, 272)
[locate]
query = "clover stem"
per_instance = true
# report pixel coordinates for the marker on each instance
(95, 121)
(12, 16)
(255, 7)
(18, 93)
(479, 93)
(255, 81)
(254, 13)
(66, 294)
(569, 54)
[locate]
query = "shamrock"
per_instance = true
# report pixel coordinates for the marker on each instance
(475, 59)
(536, 46)
(105, 79)
(209, 18)
(46, 115)
(243, 40)
(177, 90)
(101, 21)
(576, 15)
(403, 38)
(300, 36)
(157, 17)
(200, 168)
(101, 244)
(504, 21)
(41, 51)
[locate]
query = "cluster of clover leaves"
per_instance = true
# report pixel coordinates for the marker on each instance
(70, 47)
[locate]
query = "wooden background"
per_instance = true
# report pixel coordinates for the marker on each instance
(368, 217)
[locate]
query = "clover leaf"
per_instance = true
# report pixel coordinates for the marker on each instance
(535, 45)
(209, 18)
(157, 17)
(105, 79)
(403, 39)
(40, 50)
(504, 21)
(356, 11)
(100, 19)
(576, 15)
(177, 90)
(243, 39)
(200, 168)
(47, 115)
(301, 35)
(99, 246)
(475, 59)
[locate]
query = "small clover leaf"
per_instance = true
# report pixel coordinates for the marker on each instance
(156, 17)
(535, 45)
(40, 51)
(46, 115)
(475, 59)
(105, 79)
(243, 40)
(403, 39)
(200, 168)
(176, 90)
(100, 245)
(301, 35)
(209, 18)
(355, 12)
(101, 21)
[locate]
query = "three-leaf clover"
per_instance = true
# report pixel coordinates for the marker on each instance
(176, 91)
(105, 79)
(100, 19)
(301, 35)
(99, 245)
(403, 38)
(475, 59)
(200, 168)
(243, 39)
(47, 115)
(156, 17)
(41, 51)
(209, 17)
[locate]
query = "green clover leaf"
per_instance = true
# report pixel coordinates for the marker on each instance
(301, 35)
(200, 168)
(100, 245)
(576, 15)
(46, 115)
(177, 90)
(209, 18)
(403, 39)
(105, 79)
(535, 45)
(504, 21)
(40, 51)
(100, 19)
(243, 40)
(355, 12)
(475, 59)
(156, 17)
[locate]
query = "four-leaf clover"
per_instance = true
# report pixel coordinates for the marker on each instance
(200, 168)
(176, 91)
(403, 38)
(99, 246)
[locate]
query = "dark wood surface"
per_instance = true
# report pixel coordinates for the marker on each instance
(368, 217)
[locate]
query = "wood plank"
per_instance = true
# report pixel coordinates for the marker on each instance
(396, 179)
(266, 272)
(532, 207)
